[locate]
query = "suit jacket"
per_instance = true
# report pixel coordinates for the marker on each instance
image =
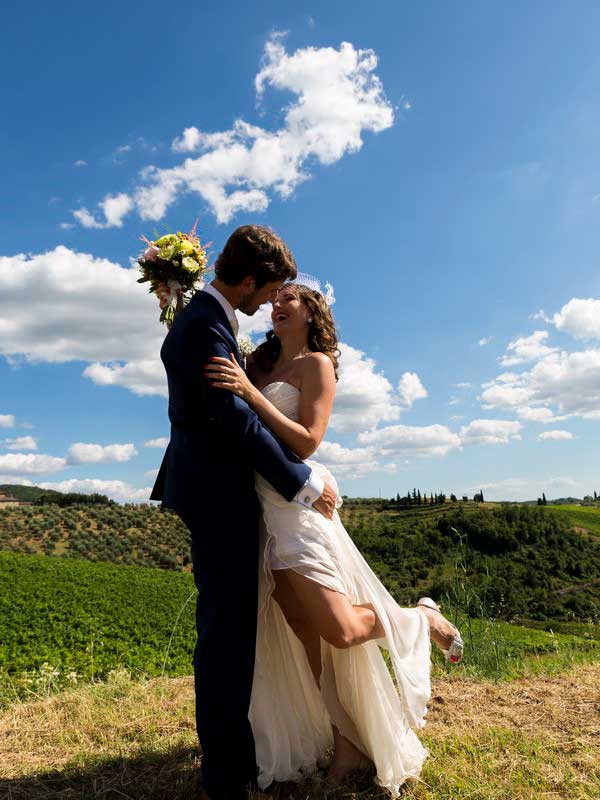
(217, 441)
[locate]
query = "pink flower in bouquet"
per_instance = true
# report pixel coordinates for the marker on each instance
(151, 253)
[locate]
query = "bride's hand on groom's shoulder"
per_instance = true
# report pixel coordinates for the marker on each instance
(222, 373)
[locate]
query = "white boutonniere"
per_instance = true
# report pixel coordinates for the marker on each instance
(246, 348)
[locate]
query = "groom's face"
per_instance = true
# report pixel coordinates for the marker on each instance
(254, 298)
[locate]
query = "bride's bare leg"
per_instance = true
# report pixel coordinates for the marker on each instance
(330, 613)
(346, 757)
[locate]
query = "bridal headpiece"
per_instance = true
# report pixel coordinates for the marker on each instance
(304, 279)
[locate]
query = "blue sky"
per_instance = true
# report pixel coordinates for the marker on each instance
(441, 169)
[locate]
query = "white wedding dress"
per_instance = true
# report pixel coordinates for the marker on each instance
(291, 718)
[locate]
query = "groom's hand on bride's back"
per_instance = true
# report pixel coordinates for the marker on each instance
(325, 504)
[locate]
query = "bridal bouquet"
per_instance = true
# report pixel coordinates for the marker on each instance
(173, 265)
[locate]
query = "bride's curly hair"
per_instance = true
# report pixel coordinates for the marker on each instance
(322, 335)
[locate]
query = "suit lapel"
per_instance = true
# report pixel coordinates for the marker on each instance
(224, 324)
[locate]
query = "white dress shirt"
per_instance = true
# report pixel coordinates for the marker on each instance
(313, 488)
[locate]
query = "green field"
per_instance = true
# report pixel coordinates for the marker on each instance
(585, 519)
(66, 620)
(91, 618)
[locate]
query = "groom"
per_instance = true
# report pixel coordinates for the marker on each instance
(207, 476)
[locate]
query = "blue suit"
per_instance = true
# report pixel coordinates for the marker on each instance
(207, 476)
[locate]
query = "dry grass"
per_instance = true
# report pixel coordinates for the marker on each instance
(524, 740)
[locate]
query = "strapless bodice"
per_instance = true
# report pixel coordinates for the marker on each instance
(285, 397)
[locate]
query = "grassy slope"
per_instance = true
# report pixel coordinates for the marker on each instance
(533, 739)
(585, 519)
(92, 618)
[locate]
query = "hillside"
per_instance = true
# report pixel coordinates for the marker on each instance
(26, 494)
(522, 561)
(64, 620)
(533, 739)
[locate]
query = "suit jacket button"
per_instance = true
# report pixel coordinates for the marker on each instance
(307, 499)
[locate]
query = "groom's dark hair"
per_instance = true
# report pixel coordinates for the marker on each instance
(256, 251)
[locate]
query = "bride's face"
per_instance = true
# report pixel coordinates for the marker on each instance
(289, 313)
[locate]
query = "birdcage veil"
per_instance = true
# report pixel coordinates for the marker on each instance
(313, 283)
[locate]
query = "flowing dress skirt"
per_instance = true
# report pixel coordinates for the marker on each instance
(291, 718)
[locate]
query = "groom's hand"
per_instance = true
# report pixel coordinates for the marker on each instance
(325, 504)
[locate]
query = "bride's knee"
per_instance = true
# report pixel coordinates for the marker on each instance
(341, 637)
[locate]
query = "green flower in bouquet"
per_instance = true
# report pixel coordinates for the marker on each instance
(173, 264)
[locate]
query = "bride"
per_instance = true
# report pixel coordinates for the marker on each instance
(321, 680)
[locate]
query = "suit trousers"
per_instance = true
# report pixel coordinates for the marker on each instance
(225, 560)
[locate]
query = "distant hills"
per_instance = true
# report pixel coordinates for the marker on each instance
(26, 494)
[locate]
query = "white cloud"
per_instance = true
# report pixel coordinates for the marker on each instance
(116, 490)
(7, 420)
(338, 97)
(82, 453)
(568, 381)
(20, 443)
(580, 318)
(161, 442)
(410, 389)
(151, 474)
(364, 397)
(490, 431)
(539, 414)
(430, 440)
(527, 488)
(142, 377)
(15, 463)
(555, 435)
(463, 385)
(17, 480)
(346, 462)
(114, 207)
(191, 139)
(80, 163)
(65, 306)
(485, 340)
(527, 348)
(541, 315)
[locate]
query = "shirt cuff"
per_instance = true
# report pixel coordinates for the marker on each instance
(311, 491)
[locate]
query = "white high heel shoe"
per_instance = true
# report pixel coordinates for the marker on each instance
(454, 653)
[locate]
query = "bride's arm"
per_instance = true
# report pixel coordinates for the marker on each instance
(317, 392)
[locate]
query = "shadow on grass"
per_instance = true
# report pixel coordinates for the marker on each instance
(171, 775)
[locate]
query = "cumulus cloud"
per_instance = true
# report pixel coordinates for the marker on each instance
(28, 463)
(7, 420)
(555, 435)
(410, 389)
(527, 488)
(490, 431)
(82, 453)
(20, 443)
(569, 382)
(142, 377)
(485, 340)
(161, 442)
(337, 98)
(580, 318)
(80, 163)
(539, 414)
(527, 348)
(65, 306)
(116, 490)
(406, 440)
(364, 397)
(114, 208)
(347, 462)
